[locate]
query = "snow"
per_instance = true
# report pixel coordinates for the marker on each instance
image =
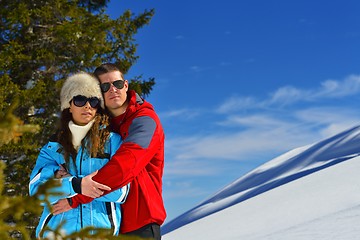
(311, 192)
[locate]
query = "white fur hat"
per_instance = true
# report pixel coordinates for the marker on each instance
(80, 84)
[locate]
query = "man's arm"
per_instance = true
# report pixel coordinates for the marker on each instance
(143, 141)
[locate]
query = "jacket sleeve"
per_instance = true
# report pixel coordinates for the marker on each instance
(118, 196)
(143, 141)
(46, 165)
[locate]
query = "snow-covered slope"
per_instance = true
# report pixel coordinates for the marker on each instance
(296, 194)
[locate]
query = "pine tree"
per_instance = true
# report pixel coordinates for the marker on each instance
(41, 43)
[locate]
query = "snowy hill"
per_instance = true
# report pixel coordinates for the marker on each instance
(311, 192)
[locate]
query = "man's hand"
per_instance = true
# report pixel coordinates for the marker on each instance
(61, 206)
(91, 188)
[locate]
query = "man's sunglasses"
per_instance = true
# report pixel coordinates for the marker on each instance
(119, 84)
(81, 100)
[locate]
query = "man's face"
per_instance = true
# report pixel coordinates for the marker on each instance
(115, 99)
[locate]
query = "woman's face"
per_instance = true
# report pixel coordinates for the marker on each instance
(82, 115)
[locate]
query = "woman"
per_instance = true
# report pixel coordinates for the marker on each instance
(82, 145)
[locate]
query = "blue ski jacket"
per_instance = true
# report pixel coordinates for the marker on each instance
(103, 212)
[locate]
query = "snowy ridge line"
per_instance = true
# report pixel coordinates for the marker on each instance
(261, 168)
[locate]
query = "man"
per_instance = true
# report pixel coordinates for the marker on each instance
(139, 160)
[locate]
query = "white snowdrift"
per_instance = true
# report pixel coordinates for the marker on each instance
(323, 204)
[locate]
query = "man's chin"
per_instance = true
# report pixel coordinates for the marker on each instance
(115, 105)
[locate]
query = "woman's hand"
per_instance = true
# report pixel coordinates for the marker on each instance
(61, 173)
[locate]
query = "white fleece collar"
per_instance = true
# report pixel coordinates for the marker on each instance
(79, 132)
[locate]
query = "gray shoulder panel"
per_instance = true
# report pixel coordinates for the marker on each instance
(141, 131)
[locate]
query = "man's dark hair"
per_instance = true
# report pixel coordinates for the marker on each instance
(106, 68)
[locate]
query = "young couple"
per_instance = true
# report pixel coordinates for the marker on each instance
(107, 179)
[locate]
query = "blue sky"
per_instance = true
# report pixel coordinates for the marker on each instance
(241, 82)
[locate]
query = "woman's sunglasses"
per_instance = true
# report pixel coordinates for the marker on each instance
(119, 84)
(81, 100)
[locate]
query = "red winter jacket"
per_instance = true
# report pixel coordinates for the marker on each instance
(140, 161)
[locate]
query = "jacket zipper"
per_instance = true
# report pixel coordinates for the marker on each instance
(81, 207)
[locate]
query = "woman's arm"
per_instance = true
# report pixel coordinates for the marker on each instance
(48, 166)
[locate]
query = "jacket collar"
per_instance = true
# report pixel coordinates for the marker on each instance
(135, 101)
